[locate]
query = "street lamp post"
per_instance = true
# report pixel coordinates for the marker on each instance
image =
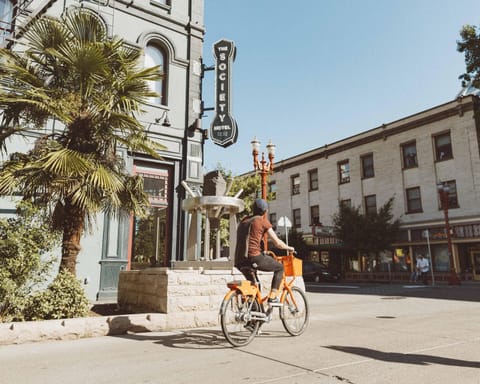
(443, 190)
(265, 168)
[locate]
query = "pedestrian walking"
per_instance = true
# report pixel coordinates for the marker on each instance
(423, 266)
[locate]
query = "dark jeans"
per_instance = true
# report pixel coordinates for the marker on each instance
(425, 277)
(264, 263)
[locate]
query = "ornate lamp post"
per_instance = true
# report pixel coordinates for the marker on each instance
(261, 165)
(264, 168)
(443, 190)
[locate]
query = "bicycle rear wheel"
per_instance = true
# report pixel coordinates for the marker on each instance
(235, 319)
(294, 312)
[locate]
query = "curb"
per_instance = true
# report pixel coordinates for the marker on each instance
(85, 327)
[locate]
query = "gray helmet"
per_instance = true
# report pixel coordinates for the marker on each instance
(259, 207)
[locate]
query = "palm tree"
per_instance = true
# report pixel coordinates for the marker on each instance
(93, 87)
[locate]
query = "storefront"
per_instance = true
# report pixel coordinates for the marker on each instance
(432, 242)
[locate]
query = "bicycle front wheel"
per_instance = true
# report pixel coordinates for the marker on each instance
(235, 319)
(294, 312)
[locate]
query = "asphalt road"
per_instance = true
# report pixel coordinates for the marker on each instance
(357, 335)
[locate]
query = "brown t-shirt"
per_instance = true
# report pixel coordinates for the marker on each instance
(258, 228)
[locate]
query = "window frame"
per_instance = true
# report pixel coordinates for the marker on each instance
(297, 221)
(371, 167)
(410, 199)
(452, 195)
(448, 154)
(313, 181)
(368, 207)
(314, 216)
(295, 187)
(272, 190)
(343, 179)
(161, 85)
(7, 23)
(407, 158)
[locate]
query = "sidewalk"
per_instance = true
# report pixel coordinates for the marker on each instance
(96, 326)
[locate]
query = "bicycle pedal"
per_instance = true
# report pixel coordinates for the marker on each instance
(275, 303)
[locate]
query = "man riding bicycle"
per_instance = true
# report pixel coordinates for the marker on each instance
(249, 251)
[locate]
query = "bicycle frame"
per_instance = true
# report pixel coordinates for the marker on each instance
(244, 310)
(247, 288)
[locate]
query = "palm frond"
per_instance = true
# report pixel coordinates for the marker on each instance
(66, 163)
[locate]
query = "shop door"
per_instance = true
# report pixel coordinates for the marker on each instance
(149, 239)
(475, 257)
(150, 235)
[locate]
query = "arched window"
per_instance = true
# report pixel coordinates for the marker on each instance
(154, 55)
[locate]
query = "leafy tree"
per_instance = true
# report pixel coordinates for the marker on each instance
(250, 187)
(470, 46)
(372, 232)
(25, 244)
(297, 241)
(93, 87)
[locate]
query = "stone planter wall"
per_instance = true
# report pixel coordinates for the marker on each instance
(181, 293)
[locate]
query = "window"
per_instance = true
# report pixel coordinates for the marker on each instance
(443, 147)
(367, 166)
(370, 204)
(346, 203)
(314, 215)
(409, 155)
(6, 18)
(297, 218)
(150, 233)
(343, 172)
(272, 190)
(156, 56)
(273, 220)
(313, 180)
(452, 194)
(295, 184)
(155, 186)
(414, 200)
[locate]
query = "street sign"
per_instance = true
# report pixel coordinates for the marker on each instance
(223, 129)
(284, 222)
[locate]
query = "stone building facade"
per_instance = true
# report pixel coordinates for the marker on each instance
(171, 34)
(404, 159)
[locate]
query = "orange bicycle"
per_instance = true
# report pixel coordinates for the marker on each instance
(244, 310)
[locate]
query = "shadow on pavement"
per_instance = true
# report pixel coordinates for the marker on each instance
(188, 339)
(466, 292)
(194, 338)
(405, 358)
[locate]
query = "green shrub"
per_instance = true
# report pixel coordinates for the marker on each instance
(64, 298)
(25, 243)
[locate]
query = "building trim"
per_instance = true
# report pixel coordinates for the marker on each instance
(383, 133)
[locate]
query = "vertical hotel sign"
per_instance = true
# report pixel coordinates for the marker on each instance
(223, 129)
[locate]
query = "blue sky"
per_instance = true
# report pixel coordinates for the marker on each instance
(311, 72)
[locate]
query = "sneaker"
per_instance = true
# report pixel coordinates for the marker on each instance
(274, 302)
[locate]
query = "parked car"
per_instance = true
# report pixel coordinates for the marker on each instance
(315, 271)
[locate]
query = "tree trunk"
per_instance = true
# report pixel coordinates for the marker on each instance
(73, 226)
